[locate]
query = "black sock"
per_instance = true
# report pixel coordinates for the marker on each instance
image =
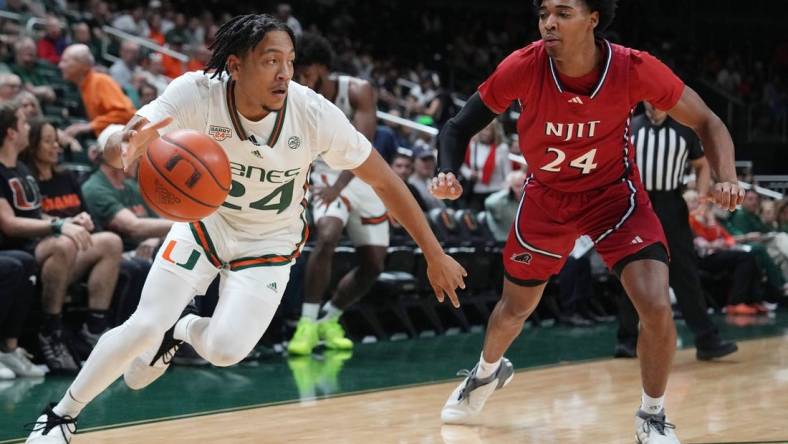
(52, 325)
(97, 321)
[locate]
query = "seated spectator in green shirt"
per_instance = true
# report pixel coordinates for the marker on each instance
(36, 74)
(501, 206)
(115, 203)
(770, 248)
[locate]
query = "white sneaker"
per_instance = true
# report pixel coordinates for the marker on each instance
(654, 429)
(19, 362)
(5, 372)
(50, 428)
(467, 400)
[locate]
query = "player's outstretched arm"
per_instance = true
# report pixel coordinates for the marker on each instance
(717, 142)
(454, 138)
(128, 144)
(444, 273)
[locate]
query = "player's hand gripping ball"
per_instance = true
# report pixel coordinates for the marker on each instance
(184, 175)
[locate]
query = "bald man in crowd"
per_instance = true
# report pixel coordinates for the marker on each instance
(104, 101)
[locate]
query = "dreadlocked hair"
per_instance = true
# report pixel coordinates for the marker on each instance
(240, 35)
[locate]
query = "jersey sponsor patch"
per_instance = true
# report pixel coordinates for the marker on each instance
(220, 133)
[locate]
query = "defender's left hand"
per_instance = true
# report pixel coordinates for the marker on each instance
(445, 275)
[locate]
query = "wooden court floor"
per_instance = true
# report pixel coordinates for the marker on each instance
(741, 399)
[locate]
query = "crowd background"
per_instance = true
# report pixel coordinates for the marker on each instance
(424, 59)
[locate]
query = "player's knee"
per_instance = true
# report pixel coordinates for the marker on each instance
(656, 311)
(372, 268)
(221, 353)
(327, 240)
(144, 331)
(516, 310)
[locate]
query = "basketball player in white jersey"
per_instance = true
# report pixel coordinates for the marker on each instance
(339, 200)
(272, 129)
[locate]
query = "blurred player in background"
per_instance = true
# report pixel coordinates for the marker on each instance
(339, 201)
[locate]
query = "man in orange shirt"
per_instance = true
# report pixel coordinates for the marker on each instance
(104, 101)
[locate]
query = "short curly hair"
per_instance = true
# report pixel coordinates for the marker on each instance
(606, 9)
(314, 49)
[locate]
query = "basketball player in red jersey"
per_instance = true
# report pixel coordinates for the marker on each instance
(577, 92)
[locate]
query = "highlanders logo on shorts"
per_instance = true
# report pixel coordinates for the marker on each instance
(523, 258)
(219, 132)
(294, 142)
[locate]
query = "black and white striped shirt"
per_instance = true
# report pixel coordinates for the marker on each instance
(661, 152)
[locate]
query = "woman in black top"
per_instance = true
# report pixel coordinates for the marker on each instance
(61, 197)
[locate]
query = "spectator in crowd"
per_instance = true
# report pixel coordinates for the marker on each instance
(115, 203)
(422, 176)
(180, 32)
(51, 46)
(133, 22)
(769, 248)
(155, 25)
(80, 33)
(501, 206)
(173, 67)
(17, 281)
(719, 253)
(486, 165)
(28, 103)
(768, 214)
(104, 101)
(285, 13)
(31, 108)
(62, 247)
(35, 73)
(155, 74)
(10, 85)
(124, 68)
(147, 93)
(782, 216)
(403, 167)
(61, 198)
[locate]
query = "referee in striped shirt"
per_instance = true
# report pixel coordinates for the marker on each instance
(663, 147)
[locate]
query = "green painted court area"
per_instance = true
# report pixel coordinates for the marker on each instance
(186, 391)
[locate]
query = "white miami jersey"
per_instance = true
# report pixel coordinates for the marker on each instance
(342, 101)
(270, 159)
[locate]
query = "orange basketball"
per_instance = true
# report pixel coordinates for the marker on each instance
(184, 176)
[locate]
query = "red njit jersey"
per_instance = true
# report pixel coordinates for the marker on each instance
(579, 141)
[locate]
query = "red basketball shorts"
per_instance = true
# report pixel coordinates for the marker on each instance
(618, 218)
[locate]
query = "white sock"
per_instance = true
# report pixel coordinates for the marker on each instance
(310, 311)
(332, 313)
(68, 406)
(181, 331)
(486, 369)
(650, 405)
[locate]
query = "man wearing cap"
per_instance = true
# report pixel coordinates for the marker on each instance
(422, 175)
(115, 203)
